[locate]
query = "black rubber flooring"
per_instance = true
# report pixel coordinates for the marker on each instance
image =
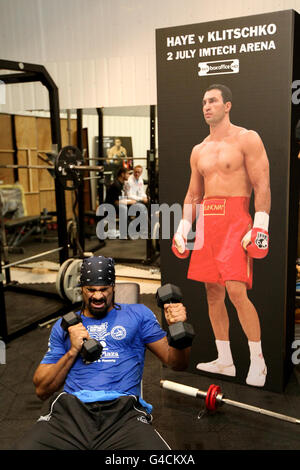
(134, 251)
(24, 309)
(176, 416)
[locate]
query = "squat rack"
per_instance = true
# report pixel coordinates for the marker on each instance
(26, 73)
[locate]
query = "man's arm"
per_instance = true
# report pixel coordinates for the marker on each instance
(125, 201)
(192, 199)
(177, 359)
(195, 190)
(49, 378)
(256, 241)
(257, 166)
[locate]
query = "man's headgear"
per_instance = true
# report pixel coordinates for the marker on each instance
(97, 271)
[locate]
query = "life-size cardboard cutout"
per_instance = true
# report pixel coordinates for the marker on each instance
(227, 149)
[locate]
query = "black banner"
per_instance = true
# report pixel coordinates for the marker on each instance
(255, 57)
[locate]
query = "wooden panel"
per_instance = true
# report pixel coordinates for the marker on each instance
(46, 182)
(6, 143)
(69, 204)
(6, 176)
(47, 200)
(33, 136)
(23, 173)
(26, 141)
(65, 138)
(33, 173)
(6, 139)
(64, 133)
(28, 178)
(26, 132)
(33, 204)
(43, 127)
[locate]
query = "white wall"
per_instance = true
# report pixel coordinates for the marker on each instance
(101, 52)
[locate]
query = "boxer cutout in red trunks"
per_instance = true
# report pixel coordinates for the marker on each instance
(222, 257)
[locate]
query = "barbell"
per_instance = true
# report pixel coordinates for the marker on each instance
(67, 278)
(68, 167)
(214, 398)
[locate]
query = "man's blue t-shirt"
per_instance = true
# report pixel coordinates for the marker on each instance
(123, 334)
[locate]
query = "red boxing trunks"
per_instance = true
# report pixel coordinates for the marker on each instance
(222, 257)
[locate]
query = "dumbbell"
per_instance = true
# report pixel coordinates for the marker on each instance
(91, 349)
(180, 335)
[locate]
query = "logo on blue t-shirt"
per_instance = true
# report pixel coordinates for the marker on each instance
(99, 332)
(118, 332)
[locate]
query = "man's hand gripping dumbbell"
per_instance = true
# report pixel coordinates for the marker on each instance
(89, 348)
(180, 334)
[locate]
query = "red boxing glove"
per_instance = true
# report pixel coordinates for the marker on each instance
(178, 247)
(259, 243)
(179, 240)
(256, 241)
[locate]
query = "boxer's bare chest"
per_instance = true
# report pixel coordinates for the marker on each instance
(219, 157)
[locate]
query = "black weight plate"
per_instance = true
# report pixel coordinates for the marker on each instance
(69, 155)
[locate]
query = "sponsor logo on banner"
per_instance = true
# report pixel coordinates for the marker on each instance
(219, 67)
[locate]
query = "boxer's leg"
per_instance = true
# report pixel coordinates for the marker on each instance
(220, 324)
(250, 323)
(215, 294)
(246, 311)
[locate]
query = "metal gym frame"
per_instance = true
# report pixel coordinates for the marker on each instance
(26, 73)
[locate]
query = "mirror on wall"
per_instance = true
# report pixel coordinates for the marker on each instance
(25, 139)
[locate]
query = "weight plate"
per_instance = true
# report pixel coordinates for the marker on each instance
(60, 277)
(70, 282)
(69, 155)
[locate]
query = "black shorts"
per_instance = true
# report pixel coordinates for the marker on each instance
(121, 424)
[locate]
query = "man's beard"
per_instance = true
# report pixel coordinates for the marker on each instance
(99, 312)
